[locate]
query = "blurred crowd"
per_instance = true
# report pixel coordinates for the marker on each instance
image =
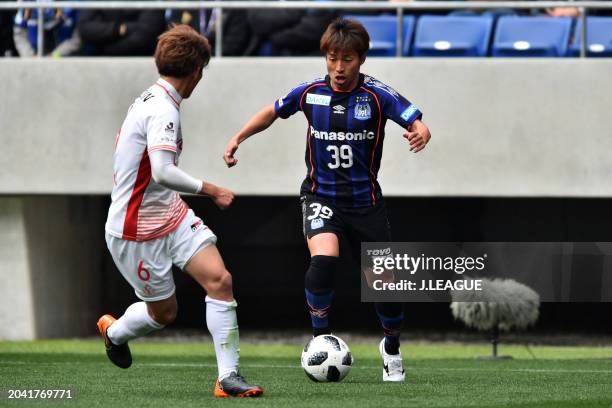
(279, 32)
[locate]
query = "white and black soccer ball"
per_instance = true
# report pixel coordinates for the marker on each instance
(326, 358)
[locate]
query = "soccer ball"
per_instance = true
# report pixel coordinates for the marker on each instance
(326, 358)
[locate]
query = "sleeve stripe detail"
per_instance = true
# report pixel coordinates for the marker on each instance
(162, 147)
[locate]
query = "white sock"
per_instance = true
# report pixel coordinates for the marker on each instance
(135, 322)
(223, 326)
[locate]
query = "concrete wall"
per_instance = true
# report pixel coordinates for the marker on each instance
(16, 297)
(51, 266)
(500, 127)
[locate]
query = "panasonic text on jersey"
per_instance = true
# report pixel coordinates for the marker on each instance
(363, 135)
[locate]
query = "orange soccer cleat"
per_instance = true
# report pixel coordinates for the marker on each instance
(236, 386)
(118, 354)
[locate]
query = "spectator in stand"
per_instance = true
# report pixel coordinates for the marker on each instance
(7, 44)
(236, 29)
(121, 32)
(60, 37)
(289, 31)
(575, 11)
(563, 12)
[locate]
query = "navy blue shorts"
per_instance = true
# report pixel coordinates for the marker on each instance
(357, 225)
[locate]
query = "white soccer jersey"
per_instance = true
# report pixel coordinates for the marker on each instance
(141, 209)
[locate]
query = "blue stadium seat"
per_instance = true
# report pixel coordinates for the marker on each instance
(457, 36)
(383, 33)
(599, 37)
(409, 24)
(518, 36)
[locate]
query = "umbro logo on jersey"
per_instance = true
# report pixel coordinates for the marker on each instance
(339, 109)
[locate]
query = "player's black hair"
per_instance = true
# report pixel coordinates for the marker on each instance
(346, 35)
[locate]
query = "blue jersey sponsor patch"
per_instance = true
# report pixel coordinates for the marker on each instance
(314, 99)
(409, 112)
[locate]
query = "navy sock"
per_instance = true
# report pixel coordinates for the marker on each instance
(318, 307)
(391, 316)
(318, 284)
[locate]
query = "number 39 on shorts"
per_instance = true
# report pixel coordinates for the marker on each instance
(319, 210)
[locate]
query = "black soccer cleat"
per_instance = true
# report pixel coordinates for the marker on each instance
(236, 386)
(119, 355)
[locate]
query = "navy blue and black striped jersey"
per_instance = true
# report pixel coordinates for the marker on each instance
(345, 136)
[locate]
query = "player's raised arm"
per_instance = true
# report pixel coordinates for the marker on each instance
(418, 136)
(258, 123)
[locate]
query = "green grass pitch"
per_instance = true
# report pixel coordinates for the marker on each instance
(182, 375)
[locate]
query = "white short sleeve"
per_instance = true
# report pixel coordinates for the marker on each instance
(163, 131)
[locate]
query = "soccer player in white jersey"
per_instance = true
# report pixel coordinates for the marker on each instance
(150, 228)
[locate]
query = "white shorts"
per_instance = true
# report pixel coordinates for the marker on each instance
(147, 265)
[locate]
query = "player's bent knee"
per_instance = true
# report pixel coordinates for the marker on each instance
(165, 315)
(320, 275)
(226, 282)
(220, 285)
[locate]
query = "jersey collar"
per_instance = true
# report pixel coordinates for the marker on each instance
(170, 91)
(359, 84)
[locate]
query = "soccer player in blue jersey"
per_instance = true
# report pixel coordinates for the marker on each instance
(341, 198)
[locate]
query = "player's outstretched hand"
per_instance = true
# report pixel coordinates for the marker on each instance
(223, 198)
(418, 136)
(230, 150)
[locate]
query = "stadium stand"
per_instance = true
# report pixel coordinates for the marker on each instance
(59, 27)
(495, 32)
(287, 32)
(453, 36)
(121, 32)
(383, 33)
(518, 36)
(7, 45)
(599, 37)
(409, 24)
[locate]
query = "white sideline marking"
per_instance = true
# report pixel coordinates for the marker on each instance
(363, 367)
